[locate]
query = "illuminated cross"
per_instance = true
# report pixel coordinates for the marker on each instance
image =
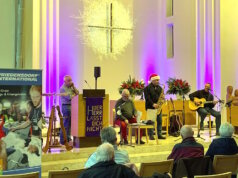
(109, 28)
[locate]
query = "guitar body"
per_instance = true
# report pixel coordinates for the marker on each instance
(193, 106)
(175, 124)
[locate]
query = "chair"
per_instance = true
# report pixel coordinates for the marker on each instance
(65, 173)
(147, 169)
(25, 175)
(210, 127)
(192, 166)
(225, 163)
(223, 175)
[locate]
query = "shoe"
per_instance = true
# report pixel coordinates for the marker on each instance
(141, 142)
(161, 137)
(152, 137)
(125, 142)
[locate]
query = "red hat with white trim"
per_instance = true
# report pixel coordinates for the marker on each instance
(154, 77)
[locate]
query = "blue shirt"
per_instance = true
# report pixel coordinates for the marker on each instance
(69, 91)
(121, 157)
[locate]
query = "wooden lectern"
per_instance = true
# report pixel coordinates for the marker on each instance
(78, 118)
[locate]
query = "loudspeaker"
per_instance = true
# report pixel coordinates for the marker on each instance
(97, 72)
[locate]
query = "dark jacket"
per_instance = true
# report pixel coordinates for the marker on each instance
(110, 169)
(188, 167)
(203, 94)
(188, 148)
(152, 94)
(222, 146)
(127, 108)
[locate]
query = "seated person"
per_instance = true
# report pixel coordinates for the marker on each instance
(208, 107)
(225, 145)
(108, 134)
(189, 148)
(126, 113)
(107, 168)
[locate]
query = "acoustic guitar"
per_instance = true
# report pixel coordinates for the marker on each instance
(175, 124)
(201, 103)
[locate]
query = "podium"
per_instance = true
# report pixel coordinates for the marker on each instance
(86, 123)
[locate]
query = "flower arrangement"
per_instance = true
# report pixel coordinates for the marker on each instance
(134, 86)
(178, 86)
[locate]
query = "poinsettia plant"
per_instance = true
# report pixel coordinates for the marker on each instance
(178, 86)
(135, 87)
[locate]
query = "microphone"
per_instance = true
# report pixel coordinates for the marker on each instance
(87, 84)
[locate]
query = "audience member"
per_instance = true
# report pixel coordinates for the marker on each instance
(188, 148)
(225, 145)
(108, 134)
(107, 168)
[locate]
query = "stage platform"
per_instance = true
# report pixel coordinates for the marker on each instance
(59, 158)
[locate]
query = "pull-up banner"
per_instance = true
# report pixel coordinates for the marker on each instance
(94, 116)
(20, 121)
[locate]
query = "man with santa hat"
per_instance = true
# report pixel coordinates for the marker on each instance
(152, 93)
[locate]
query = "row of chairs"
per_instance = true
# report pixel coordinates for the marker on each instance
(223, 166)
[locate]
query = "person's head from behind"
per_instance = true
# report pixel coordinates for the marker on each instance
(154, 79)
(207, 87)
(186, 131)
(125, 94)
(229, 90)
(68, 80)
(236, 92)
(105, 152)
(226, 130)
(35, 93)
(108, 134)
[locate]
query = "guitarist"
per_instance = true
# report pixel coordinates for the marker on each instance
(208, 108)
(152, 93)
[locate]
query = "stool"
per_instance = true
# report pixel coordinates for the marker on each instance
(210, 127)
(142, 126)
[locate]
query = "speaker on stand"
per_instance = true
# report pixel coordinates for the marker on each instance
(97, 73)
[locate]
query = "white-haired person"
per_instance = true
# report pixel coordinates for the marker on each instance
(67, 92)
(108, 134)
(225, 144)
(188, 148)
(126, 113)
(107, 168)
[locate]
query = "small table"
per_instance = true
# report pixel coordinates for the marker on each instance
(141, 126)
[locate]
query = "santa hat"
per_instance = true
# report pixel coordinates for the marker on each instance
(154, 77)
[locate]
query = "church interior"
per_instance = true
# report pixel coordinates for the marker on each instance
(106, 45)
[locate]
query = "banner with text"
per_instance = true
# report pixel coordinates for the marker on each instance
(94, 116)
(20, 120)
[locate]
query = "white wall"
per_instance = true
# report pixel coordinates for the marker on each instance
(7, 33)
(229, 44)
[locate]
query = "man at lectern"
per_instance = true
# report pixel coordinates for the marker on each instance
(125, 114)
(68, 91)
